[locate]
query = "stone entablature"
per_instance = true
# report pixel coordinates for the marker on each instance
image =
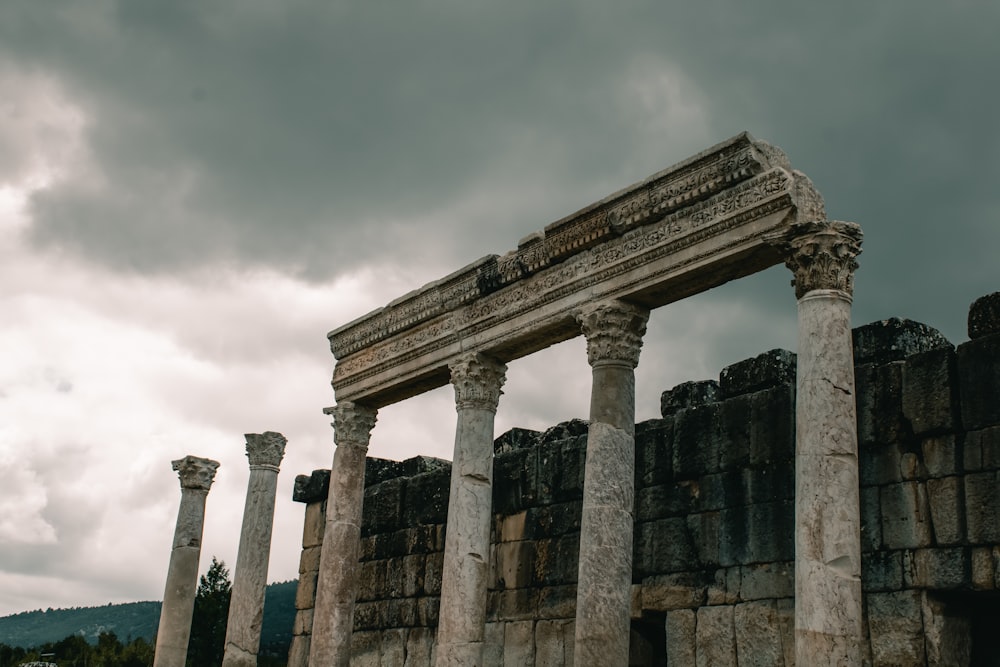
(691, 227)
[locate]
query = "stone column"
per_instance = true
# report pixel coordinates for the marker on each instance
(172, 637)
(614, 333)
(828, 621)
(477, 379)
(246, 606)
(337, 586)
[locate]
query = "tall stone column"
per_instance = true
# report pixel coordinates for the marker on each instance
(196, 475)
(614, 333)
(828, 620)
(337, 586)
(246, 606)
(477, 379)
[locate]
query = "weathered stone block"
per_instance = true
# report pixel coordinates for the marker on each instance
(724, 588)
(493, 645)
(554, 643)
(418, 647)
(561, 466)
(662, 547)
(767, 580)
(983, 577)
(567, 430)
(776, 367)
(721, 490)
(515, 564)
(938, 569)
(696, 441)
(314, 524)
(941, 456)
(515, 480)
(433, 567)
(393, 647)
(715, 636)
(982, 507)
(426, 498)
(553, 520)
(557, 602)
(312, 488)
(666, 500)
(947, 501)
(688, 395)
(882, 571)
(309, 560)
(654, 452)
(511, 528)
(981, 450)
(298, 652)
(383, 506)
(984, 316)
(947, 636)
(894, 339)
(516, 438)
(871, 519)
(556, 560)
(772, 531)
(979, 382)
(305, 593)
(371, 580)
(734, 536)
(770, 483)
(366, 649)
(413, 575)
(519, 644)
(758, 637)
(895, 627)
(772, 425)
(428, 610)
(879, 464)
(735, 417)
(879, 392)
(370, 615)
(518, 604)
(930, 393)
(672, 591)
(905, 516)
(704, 531)
(303, 623)
(682, 646)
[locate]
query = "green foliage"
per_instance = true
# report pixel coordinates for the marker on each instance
(211, 612)
(34, 628)
(75, 651)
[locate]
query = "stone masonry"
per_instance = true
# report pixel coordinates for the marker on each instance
(713, 557)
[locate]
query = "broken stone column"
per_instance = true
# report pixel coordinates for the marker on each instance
(337, 586)
(828, 607)
(460, 638)
(614, 333)
(196, 475)
(312, 490)
(246, 606)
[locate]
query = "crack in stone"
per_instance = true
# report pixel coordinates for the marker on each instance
(837, 387)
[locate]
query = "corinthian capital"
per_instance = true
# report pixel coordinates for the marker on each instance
(265, 450)
(822, 255)
(477, 379)
(352, 423)
(195, 472)
(614, 332)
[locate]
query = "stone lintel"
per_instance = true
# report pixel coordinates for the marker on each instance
(682, 231)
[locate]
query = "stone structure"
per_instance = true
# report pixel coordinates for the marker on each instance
(312, 490)
(196, 475)
(246, 606)
(713, 578)
(730, 211)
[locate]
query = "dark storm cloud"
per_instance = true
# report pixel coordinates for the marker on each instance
(315, 137)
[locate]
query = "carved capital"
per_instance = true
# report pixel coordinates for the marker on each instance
(195, 472)
(352, 423)
(822, 255)
(614, 332)
(265, 450)
(477, 379)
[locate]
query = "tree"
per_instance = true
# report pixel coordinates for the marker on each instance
(211, 612)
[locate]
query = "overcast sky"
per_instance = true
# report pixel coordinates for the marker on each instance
(192, 194)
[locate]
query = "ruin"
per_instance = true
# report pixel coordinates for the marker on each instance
(713, 578)
(728, 212)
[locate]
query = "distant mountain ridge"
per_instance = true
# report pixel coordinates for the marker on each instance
(137, 619)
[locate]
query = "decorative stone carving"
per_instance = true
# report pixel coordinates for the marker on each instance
(195, 472)
(265, 450)
(477, 380)
(614, 332)
(352, 423)
(822, 256)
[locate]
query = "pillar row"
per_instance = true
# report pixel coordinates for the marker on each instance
(614, 333)
(337, 585)
(477, 379)
(196, 476)
(828, 605)
(246, 606)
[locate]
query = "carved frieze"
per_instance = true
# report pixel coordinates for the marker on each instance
(614, 331)
(822, 255)
(195, 472)
(477, 379)
(352, 423)
(265, 450)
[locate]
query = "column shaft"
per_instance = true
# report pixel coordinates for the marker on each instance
(828, 603)
(174, 631)
(337, 585)
(246, 606)
(477, 380)
(603, 600)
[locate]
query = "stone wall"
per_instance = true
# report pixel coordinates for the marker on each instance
(714, 513)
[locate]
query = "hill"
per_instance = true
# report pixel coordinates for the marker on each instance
(138, 619)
